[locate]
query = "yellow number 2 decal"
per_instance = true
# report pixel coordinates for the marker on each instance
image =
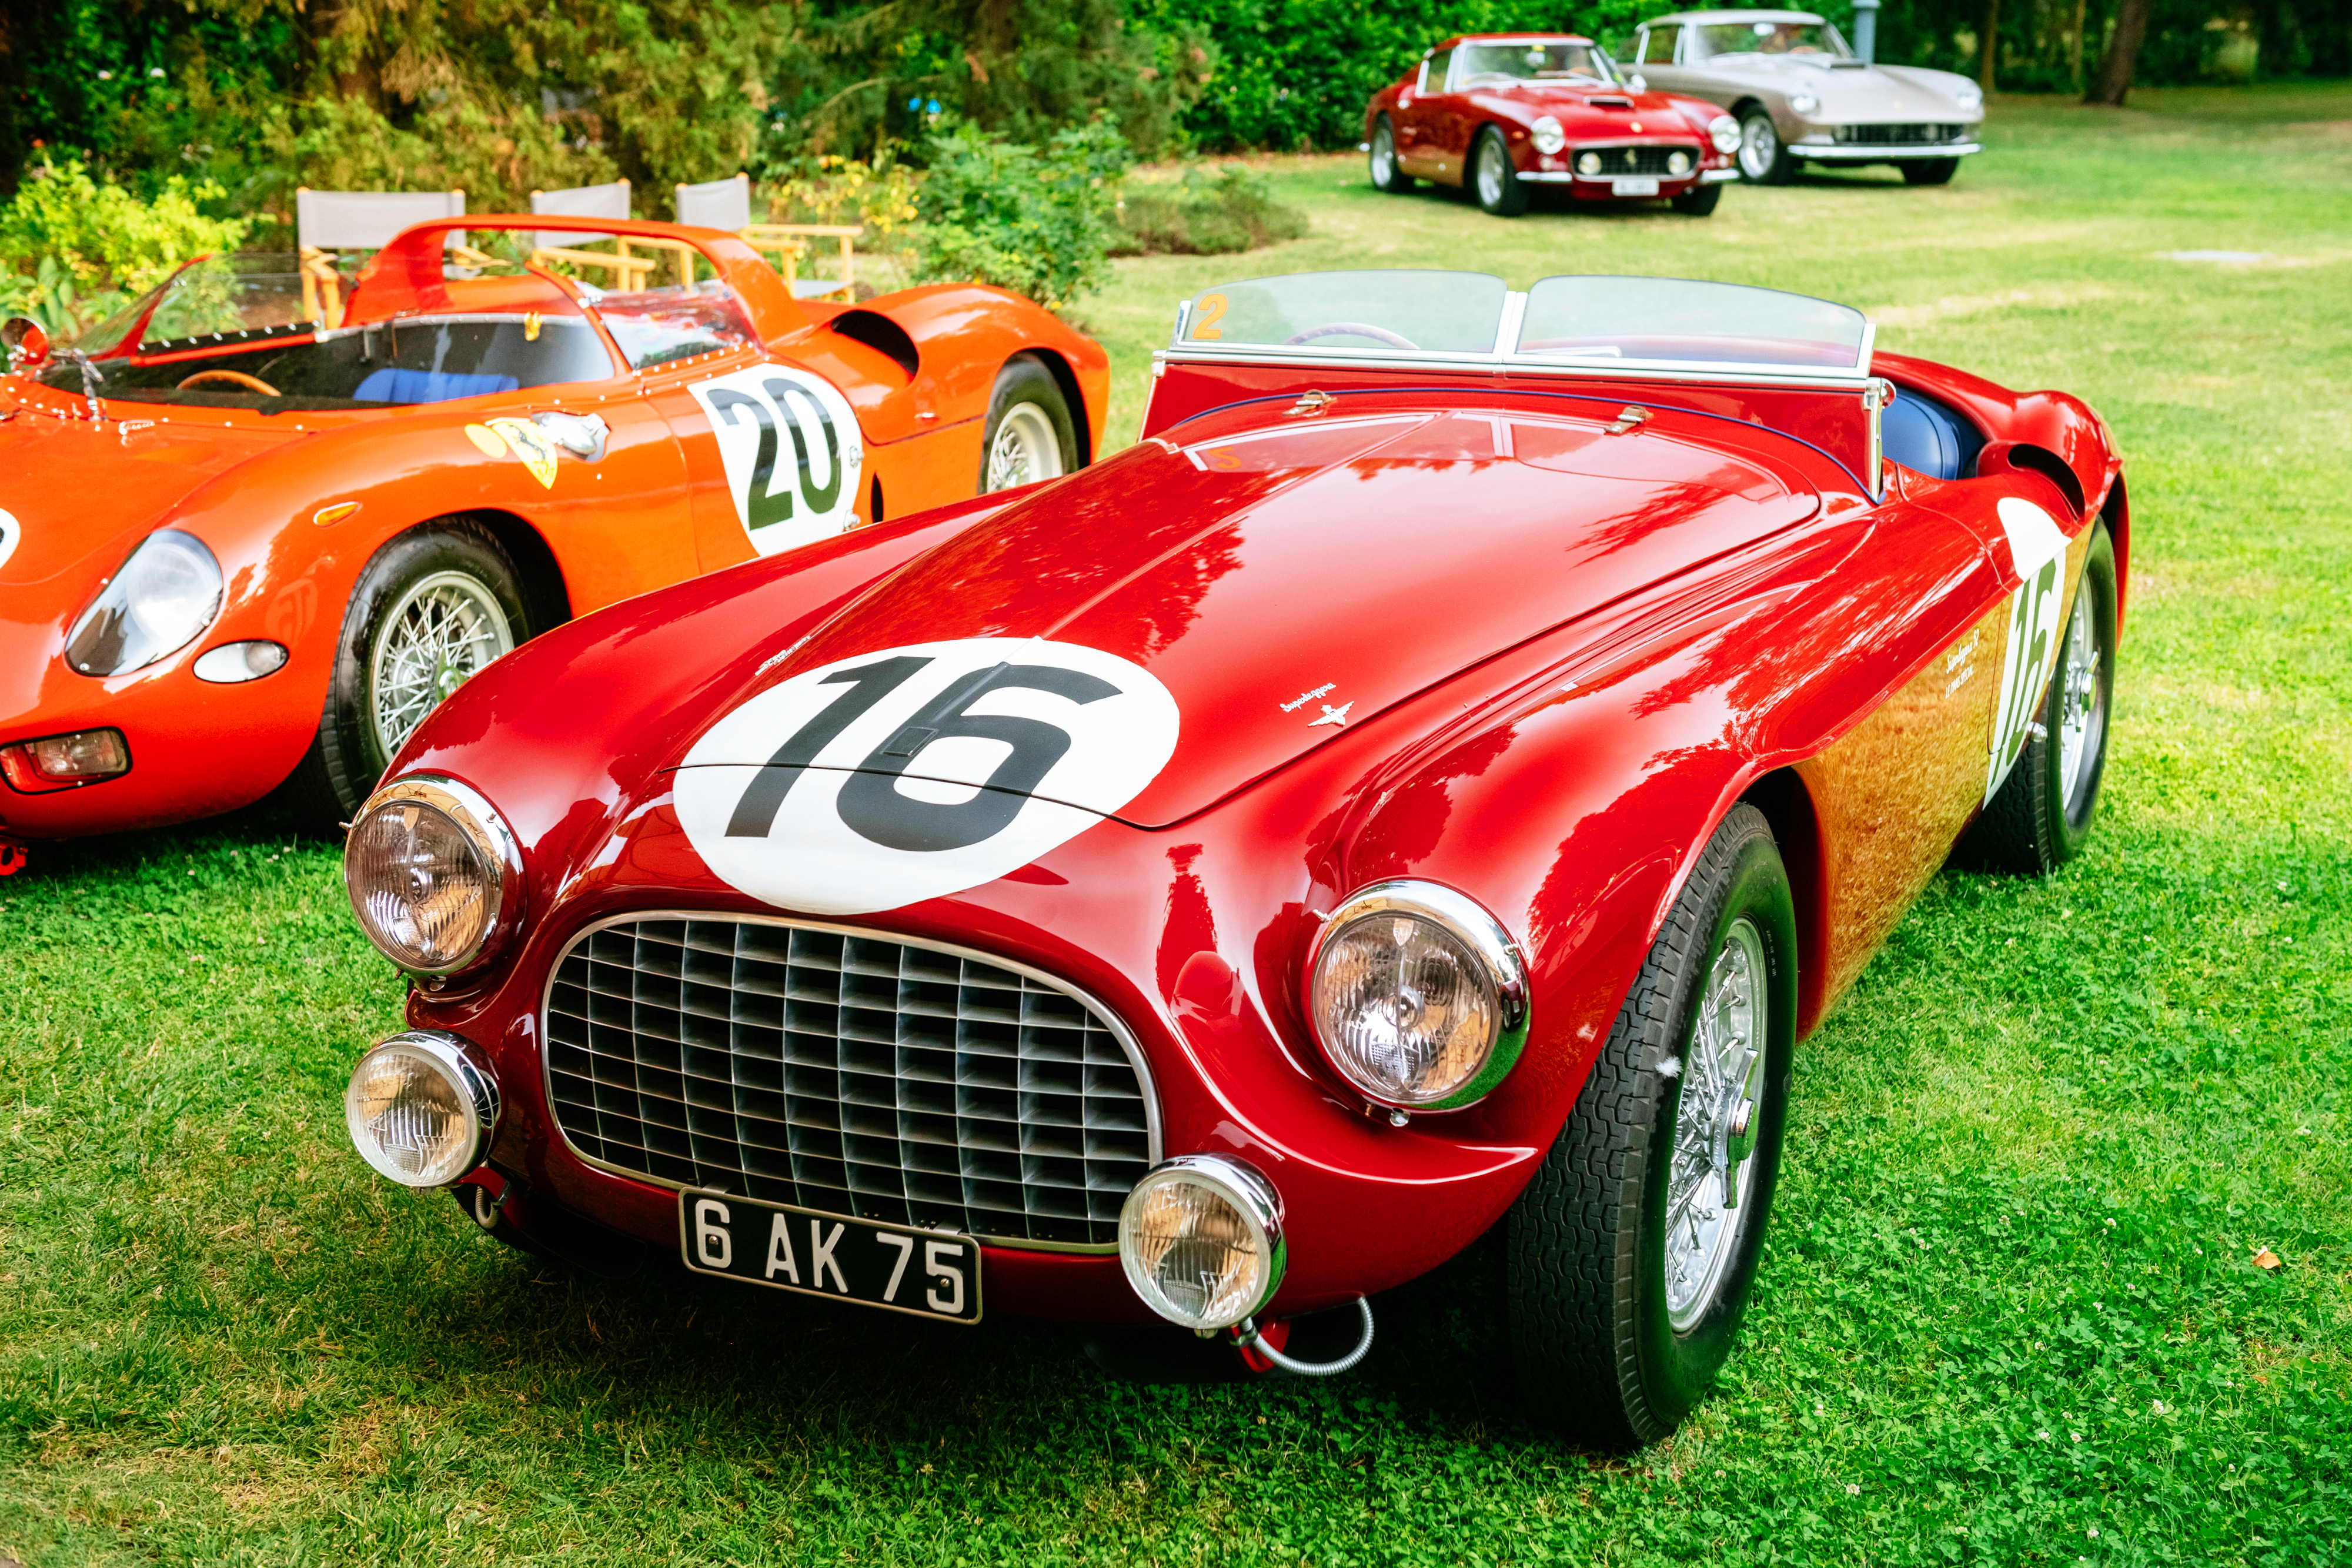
(1212, 310)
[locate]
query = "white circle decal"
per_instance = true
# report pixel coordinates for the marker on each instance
(878, 781)
(10, 532)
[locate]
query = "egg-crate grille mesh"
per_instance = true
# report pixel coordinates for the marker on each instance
(1616, 163)
(859, 1074)
(1898, 135)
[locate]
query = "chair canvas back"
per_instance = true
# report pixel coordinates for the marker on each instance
(718, 205)
(366, 220)
(608, 201)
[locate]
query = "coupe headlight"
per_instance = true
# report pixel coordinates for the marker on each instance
(1724, 131)
(1547, 135)
(434, 874)
(1417, 996)
(1803, 102)
(421, 1108)
(161, 599)
(1200, 1239)
(1968, 96)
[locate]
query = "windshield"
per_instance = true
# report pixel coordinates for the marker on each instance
(1350, 312)
(1816, 39)
(226, 293)
(1507, 63)
(1682, 320)
(653, 326)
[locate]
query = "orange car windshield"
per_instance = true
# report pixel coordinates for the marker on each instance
(653, 326)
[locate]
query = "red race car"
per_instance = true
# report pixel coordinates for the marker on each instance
(239, 545)
(1500, 113)
(1434, 780)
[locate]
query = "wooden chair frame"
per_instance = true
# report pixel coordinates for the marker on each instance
(790, 241)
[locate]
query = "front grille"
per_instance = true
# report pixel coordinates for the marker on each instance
(1898, 135)
(1616, 163)
(848, 1071)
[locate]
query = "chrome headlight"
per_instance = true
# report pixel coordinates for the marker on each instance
(161, 599)
(434, 874)
(1803, 102)
(421, 1108)
(1200, 1239)
(1547, 135)
(1724, 131)
(1417, 996)
(1968, 95)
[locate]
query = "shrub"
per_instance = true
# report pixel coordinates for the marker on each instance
(75, 251)
(1039, 221)
(1208, 213)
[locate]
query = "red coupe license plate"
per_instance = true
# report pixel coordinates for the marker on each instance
(930, 1273)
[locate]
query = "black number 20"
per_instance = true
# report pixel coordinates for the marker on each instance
(870, 803)
(765, 510)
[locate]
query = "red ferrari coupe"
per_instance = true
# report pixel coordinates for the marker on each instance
(1434, 781)
(241, 547)
(1501, 112)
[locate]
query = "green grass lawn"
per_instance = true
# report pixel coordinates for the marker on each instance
(2009, 1312)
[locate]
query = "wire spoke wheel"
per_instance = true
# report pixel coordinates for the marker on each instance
(443, 632)
(1026, 449)
(1385, 162)
(2082, 705)
(1711, 1177)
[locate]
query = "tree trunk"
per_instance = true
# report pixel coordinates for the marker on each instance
(2115, 66)
(1992, 50)
(2075, 48)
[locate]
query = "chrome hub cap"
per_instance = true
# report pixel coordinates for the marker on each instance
(443, 630)
(2082, 703)
(1026, 449)
(1759, 144)
(1383, 156)
(1492, 164)
(1711, 1177)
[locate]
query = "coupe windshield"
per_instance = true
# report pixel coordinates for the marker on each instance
(1354, 313)
(1503, 64)
(1816, 39)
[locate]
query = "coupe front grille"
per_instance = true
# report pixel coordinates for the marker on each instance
(1898, 135)
(1616, 163)
(854, 1073)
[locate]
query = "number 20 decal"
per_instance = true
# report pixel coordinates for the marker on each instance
(791, 447)
(908, 773)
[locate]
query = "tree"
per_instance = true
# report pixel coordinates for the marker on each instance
(2115, 66)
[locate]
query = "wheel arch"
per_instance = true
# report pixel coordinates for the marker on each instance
(1073, 396)
(534, 559)
(1788, 806)
(2115, 512)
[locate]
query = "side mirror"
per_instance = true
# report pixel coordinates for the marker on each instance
(27, 342)
(1638, 82)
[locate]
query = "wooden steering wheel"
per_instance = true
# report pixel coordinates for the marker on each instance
(235, 378)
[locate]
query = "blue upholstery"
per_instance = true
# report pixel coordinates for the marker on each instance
(1926, 437)
(394, 385)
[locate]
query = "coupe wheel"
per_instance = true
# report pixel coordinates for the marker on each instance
(1387, 175)
(1494, 178)
(1930, 171)
(432, 610)
(1762, 160)
(1699, 201)
(2041, 816)
(1030, 436)
(1631, 1252)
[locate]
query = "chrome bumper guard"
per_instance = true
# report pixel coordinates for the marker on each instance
(1917, 154)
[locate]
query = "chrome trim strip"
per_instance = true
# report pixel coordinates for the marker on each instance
(1486, 364)
(1829, 153)
(1110, 1020)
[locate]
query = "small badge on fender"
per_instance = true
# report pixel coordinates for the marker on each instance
(909, 773)
(531, 443)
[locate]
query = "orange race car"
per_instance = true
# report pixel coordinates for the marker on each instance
(240, 549)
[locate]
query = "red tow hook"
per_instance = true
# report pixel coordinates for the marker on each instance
(14, 856)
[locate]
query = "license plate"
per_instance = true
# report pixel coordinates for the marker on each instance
(1632, 187)
(930, 1273)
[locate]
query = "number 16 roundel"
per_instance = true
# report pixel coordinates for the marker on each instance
(908, 773)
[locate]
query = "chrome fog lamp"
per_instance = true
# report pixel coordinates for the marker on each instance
(421, 1108)
(1200, 1239)
(1418, 997)
(1724, 131)
(1678, 163)
(1589, 164)
(1548, 136)
(434, 873)
(161, 599)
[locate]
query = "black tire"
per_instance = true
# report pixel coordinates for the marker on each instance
(1699, 201)
(1029, 399)
(2039, 817)
(1387, 173)
(1494, 178)
(1930, 171)
(348, 754)
(1763, 159)
(1599, 1354)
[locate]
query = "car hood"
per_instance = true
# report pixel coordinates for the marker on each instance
(1616, 104)
(1851, 92)
(82, 494)
(1283, 577)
